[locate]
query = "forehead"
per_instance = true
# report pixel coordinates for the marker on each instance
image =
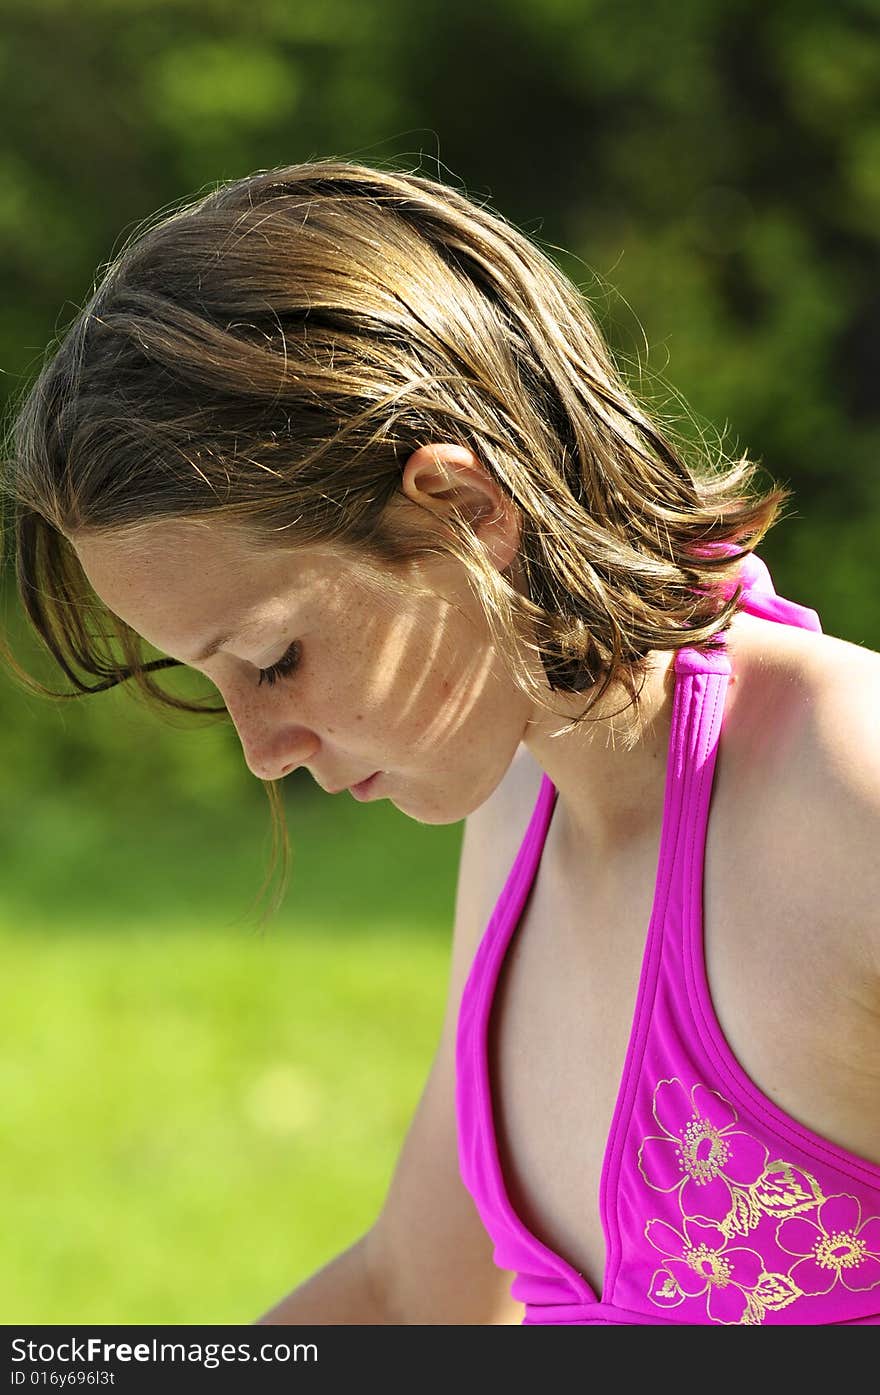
(180, 582)
(191, 555)
(171, 579)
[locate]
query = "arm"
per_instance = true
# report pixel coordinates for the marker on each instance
(344, 1291)
(427, 1258)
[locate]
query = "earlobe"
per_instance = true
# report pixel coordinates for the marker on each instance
(499, 534)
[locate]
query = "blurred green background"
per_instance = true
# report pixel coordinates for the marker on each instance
(196, 1116)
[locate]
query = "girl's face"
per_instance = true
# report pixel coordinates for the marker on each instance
(318, 670)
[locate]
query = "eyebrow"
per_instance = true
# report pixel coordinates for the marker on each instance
(212, 648)
(226, 638)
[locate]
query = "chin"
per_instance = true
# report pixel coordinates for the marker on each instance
(434, 815)
(428, 811)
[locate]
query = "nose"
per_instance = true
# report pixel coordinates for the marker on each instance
(271, 746)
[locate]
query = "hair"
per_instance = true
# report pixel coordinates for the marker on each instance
(270, 353)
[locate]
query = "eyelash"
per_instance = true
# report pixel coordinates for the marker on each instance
(284, 666)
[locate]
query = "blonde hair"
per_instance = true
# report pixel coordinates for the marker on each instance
(271, 353)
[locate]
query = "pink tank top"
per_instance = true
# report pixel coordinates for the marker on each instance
(716, 1206)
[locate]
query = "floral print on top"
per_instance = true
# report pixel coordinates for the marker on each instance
(727, 1186)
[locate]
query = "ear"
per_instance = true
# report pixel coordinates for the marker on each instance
(444, 476)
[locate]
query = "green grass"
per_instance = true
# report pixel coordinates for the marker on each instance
(195, 1118)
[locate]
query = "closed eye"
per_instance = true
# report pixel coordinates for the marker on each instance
(285, 665)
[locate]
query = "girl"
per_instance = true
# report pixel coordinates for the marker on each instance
(352, 446)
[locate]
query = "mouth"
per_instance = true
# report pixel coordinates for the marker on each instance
(364, 790)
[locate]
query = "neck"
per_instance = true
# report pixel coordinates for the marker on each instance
(611, 770)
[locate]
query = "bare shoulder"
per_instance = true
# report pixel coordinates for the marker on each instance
(814, 696)
(807, 729)
(819, 698)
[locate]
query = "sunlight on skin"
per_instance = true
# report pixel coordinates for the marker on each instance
(411, 686)
(431, 634)
(412, 694)
(475, 671)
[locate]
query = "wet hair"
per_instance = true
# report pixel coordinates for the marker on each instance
(271, 352)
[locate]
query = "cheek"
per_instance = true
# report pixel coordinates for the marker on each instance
(427, 669)
(464, 700)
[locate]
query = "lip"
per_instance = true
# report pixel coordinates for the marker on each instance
(365, 789)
